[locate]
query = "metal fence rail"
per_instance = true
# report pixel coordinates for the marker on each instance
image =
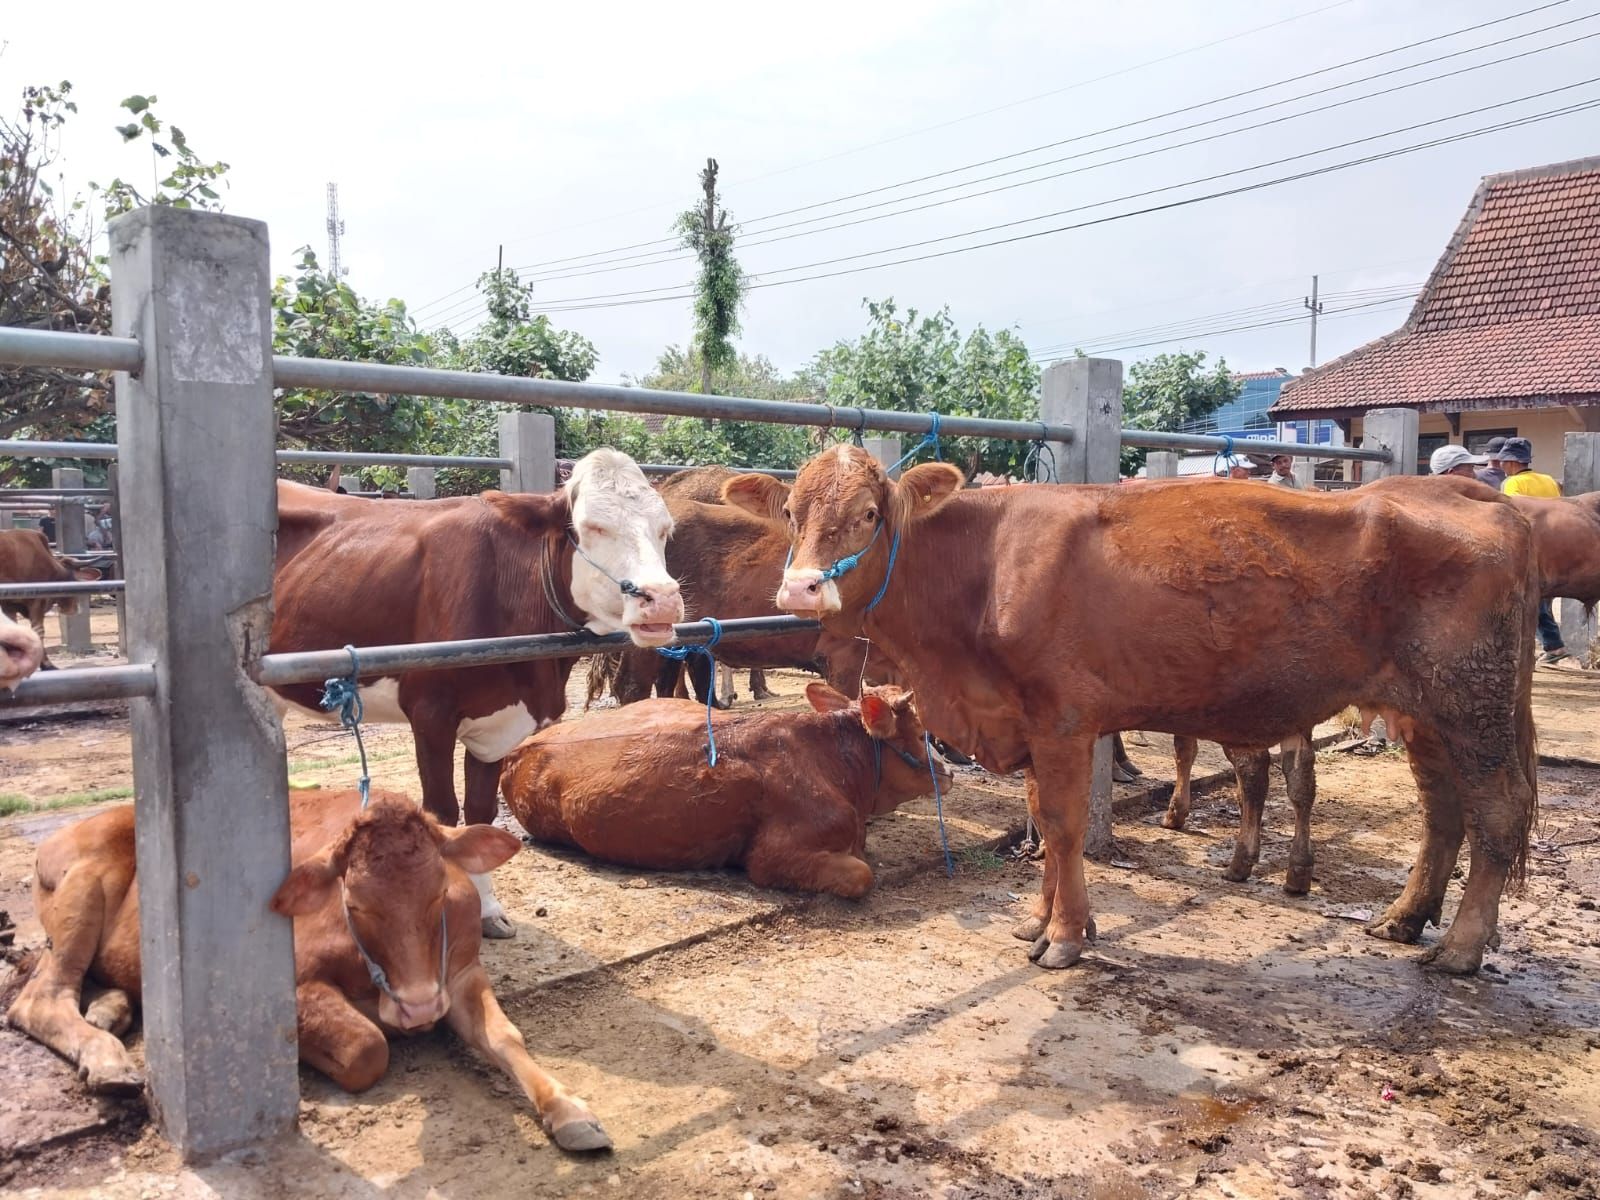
(82, 683)
(1148, 439)
(76, 587)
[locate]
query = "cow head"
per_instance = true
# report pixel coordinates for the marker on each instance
(70, 605)
(907, 761)
(619, 576)
(390, 869)
(842, 504)
(21, 652)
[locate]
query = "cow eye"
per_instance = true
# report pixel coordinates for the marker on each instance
(872, 514)
(594, 530)
(787, 515)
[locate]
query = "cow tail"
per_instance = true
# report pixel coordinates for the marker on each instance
(603, 672)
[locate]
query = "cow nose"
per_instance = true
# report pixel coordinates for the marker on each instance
(420, 1013)
(801, 592)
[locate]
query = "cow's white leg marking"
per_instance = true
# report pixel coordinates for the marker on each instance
(495, 921)
(491, 738)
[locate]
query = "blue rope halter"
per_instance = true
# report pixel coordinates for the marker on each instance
(931, 438)
(681, 654)
(344, 693)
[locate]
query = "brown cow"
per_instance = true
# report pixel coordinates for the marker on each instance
(361, 572)
(1566, 533)
(390, 876)
(1031, 621)
(25, 557)
(635, 786)
(21, 652)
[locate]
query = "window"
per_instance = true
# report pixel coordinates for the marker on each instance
(1427, 443)
(1479, 438)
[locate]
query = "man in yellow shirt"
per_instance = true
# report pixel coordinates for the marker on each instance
(1516, 460)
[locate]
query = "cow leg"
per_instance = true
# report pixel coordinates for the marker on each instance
(669, 679)
(701, 676)
(1443, 827)
(483, 780)
(111, 1010)
(338, 1039)
(812, 857)
(1250, 768)
(1299, 763)
(1033, 928)
(478, 1020)
(47, 1007)
(758, 686)
(725, 691)
(1123, 769)
(1183, 751)
(435, 741)
(1061, 811)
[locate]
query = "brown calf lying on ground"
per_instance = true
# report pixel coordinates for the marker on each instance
(390, 876)
(788, 799)
(21, 652)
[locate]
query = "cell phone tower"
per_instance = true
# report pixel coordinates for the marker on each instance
(335, 231)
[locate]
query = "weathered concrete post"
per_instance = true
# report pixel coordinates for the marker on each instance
(421, 482)
(885, 449)
(1394, 429)
(70, 540)
(529, 441)
(1580, 473)
(1086, 393)
(1161, 464)
(208, 753)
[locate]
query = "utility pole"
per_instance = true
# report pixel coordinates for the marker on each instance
(708, 181)
(1315, 305)
(335, 231)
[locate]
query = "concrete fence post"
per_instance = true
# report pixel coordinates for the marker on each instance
(421, 482)
(1086, 393)
(886, 450)
(75, 635)
(1580, 473)
(122, 562)
(195, 439)
(529, 441)
(1161, 464)
(1395, 430)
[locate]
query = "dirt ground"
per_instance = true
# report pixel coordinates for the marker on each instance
(1220, 1039)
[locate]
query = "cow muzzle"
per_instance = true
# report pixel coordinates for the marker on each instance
(650, 614)
(415, 1011)
(806, 591)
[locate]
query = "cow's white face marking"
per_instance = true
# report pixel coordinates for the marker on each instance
(380, 703)
(622, 525)
(491, 738)
(798, 592)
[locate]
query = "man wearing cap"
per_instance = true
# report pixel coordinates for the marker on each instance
(1456, 460)
(1239, 468)
(1492, 474)
(1516, 460)
(1282, 471)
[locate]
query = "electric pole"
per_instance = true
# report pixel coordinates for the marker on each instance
(335, 231)
(708, 181)
(1315, 305)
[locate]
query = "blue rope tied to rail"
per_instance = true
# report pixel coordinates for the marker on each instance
(681, 654)
(1225, 453)
(931, 438)
(1033, 461)
(344, 693)
(938, 803)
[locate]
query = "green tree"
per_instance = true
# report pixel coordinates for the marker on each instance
(1168, 391)
(695, 441)
(917, 363)
(719, 288)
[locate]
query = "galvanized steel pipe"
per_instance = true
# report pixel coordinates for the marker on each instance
(82, 683)
(41, 591)
(74, 351)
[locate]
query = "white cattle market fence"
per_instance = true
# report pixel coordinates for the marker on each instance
(195, 373)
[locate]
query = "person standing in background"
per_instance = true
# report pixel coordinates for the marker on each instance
(1516, 460)
(1492, 474)
(1282, 471)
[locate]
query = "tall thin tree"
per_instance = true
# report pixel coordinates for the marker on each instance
(720, 287)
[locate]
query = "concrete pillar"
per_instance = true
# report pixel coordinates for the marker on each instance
(1086, 394)
(1580, 473)
(529, 441)
(70, 540)
(1395, 429)
(122, 562)
(195, 439)
(886, 450)
(1161, 464)
(1304, 472)
(421, 482)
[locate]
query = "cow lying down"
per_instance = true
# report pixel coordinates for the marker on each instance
(390, 876)
(788, 799)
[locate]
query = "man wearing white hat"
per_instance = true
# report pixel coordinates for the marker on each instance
(1455, 460)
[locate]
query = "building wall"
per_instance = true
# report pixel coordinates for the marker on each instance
(1546, 428)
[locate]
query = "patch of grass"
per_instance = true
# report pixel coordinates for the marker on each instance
(13, 804)
(980, 858)
(299, 766)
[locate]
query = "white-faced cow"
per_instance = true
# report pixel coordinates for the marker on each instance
(365, 572)
(1030, 621)
(380, 894)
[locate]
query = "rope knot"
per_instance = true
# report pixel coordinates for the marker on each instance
(344, 694)
(681, 654)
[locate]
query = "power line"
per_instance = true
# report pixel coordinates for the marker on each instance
(575, 302)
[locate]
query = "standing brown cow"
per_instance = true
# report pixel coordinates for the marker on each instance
(635, 786)
(386, 942)
(25, 557)
(1031, 621)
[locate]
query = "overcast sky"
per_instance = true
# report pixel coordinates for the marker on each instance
(574, 130)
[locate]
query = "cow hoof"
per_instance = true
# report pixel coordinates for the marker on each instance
(1406, 930)
(1174, 820)
(1121, 774)
(574, 1127)
(1055, 956)
(1298, 881)
(499, 926)
(108, 1072)
(1030, 930)
(1453, 960)
(1236, 874)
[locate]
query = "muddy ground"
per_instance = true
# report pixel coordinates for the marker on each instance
(1219, 1040)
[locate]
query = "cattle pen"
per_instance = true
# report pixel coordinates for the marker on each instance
(195, 374)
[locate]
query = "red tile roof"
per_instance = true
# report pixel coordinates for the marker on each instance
(1275, 373)
(1510, 317)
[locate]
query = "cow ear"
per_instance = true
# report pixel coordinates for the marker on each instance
(479, 849)
(87, 574)
(311, 885)
(926, 486)
(825, 698)
(878, 715)
(759, 495)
